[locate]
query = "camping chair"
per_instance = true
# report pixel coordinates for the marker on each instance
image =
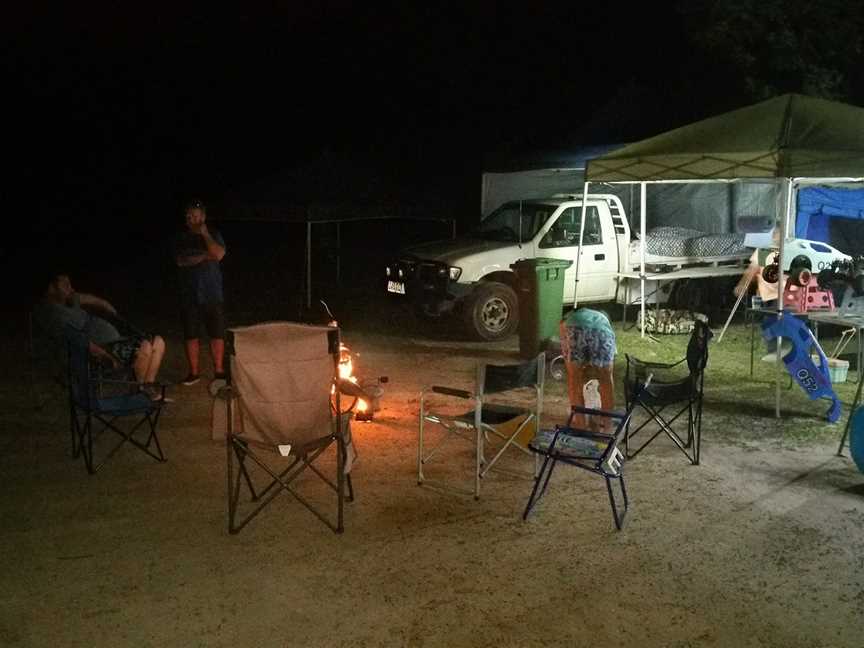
(595, 452)
(46, 365)
(103, 401)
(506, 422)
(670, 390)
(280, 382)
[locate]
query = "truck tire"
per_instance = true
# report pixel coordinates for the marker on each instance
(492, 311)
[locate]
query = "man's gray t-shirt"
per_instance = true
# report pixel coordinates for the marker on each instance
(53, 319)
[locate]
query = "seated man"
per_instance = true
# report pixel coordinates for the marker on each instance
(61, 306)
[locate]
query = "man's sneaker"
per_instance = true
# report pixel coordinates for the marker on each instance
(191, 379)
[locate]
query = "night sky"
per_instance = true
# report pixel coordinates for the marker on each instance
(120, 114)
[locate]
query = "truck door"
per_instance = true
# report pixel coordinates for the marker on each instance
(599, 252)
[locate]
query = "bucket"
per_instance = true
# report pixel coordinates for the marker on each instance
(837, 369)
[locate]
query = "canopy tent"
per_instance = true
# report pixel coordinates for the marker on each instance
(791, 136)
(792, 139)
(710, 208)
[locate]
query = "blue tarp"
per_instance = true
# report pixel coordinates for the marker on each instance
(818, 205)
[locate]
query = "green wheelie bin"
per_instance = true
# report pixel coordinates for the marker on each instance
(541, 301)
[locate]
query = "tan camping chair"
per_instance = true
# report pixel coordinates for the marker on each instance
(281, 416)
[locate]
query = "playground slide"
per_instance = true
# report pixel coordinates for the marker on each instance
(813, 379)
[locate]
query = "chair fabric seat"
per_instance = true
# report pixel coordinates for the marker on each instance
(669, 392)
(123, 405)
(493, 414)
(568, 445)
(501, 411)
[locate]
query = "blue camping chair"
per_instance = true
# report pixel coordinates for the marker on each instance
(94, 399)
(594, 452)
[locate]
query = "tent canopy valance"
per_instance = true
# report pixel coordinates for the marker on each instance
(785, 137)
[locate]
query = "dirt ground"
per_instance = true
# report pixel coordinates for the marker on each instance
(761, 545)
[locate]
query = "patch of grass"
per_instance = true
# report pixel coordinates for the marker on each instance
(740, 408)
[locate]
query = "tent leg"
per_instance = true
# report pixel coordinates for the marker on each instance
(581, 235)
(643, 200)
(781, 286)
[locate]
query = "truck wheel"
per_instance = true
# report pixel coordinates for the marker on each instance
(492, 311)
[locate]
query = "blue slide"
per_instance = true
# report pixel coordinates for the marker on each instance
(814, 380)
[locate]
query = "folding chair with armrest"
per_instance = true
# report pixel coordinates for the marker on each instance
(91, 401)
(670, 389)
(281, 377)
(486, 417)
(595, 452)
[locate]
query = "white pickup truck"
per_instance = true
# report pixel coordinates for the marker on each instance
(472, 276)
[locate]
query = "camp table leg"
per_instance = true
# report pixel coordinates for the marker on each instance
(855, 404)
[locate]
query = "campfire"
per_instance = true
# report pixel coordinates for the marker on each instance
(366, 395)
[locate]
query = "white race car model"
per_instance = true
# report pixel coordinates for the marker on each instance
(802, 258)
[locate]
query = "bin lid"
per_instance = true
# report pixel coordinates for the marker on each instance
(541, 262)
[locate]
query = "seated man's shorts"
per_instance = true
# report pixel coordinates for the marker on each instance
(212, 316)
(588, 346)
(125, 349)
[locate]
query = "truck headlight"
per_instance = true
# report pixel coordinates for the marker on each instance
(387, 270)
(455, 273)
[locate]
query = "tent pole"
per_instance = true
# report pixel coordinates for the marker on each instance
(309, 264)
(642, 200)
(581, 234)
(781, 286)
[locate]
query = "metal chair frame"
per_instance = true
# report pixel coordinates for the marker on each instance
(471, 426)
(609, 464)
(88, 406)
(688, 392)
(301, 459)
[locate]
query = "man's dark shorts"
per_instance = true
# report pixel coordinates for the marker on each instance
(212, 316)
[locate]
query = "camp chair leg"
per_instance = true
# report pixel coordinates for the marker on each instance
(348, 483)
(508, 441)
(535, 497)
(697, 433)
(340, 481)
(618, 515)
(127, 437)
(665, 427)
(75, 430)
(280, 482)
(420, 446)
(477, 462)
(87, 444)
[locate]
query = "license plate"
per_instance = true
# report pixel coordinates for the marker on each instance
(396, 287)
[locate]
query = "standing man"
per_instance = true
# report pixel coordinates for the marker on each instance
(198, 253)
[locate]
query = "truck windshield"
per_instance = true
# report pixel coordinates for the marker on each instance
(514, 222)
